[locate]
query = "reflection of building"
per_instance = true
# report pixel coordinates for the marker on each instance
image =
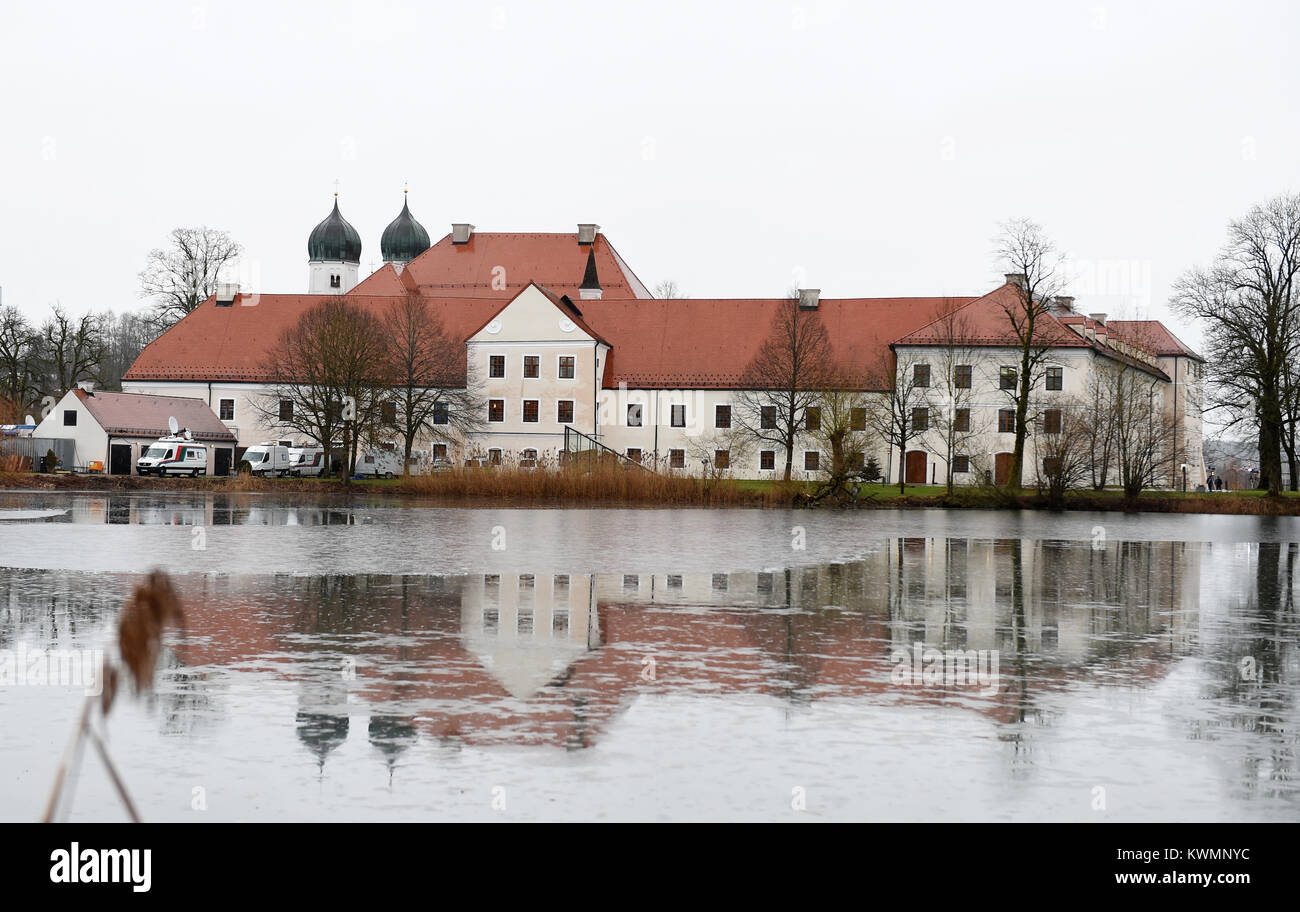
(521, 658)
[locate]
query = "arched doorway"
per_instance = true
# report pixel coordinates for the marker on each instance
(915, 467)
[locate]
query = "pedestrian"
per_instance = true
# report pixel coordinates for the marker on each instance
(1218, 482)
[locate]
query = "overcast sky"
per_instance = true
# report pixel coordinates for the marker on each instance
(869, 150)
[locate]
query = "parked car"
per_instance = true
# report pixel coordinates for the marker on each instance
(174, 455)
(267, 459)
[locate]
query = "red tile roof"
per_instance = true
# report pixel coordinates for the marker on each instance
(694, 343)
(984, 321)
(501, 265)
(237, 343)
(140, 415)
(1154, 336)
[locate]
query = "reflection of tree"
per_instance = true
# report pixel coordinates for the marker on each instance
(1255, 688)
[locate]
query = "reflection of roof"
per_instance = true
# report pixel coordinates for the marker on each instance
(139, 415)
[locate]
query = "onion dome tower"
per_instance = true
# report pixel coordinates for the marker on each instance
(404, 239)
(333, 255)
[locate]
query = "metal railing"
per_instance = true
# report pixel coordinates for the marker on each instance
(576, 443)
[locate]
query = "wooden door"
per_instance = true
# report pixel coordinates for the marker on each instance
(915, 467)
(1001, 468)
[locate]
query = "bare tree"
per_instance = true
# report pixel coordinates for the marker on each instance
(179, 277)
(1025, 252)
(20, 346)
(842, 430)
(124, 336)
(1063, 444)
(901, 412)
(1143, 428)
(71, 350)
(668, 290)
(1248, 300)
(330, 378)
(784, 378)
(955, 422)
(432, 384)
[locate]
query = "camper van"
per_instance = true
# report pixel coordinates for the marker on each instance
(174, 455)
(379, 464)
(267, 459)
(306, 461)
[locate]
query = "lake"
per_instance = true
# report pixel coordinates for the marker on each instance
(375, 660)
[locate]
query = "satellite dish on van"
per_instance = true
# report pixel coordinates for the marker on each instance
(171, 423)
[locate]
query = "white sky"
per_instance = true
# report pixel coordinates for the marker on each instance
(869, 150)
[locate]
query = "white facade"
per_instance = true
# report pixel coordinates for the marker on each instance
(325, 277)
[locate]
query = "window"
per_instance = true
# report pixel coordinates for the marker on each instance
(532, 367)
(497, 366)
(568, 367)
(767, 460)
(678, 416)
(440, 413)
(812, 460)
(920, 375)
(812, 418)
(1007, 378)
(961, 420)
(440, 451)
(720, 582)
(564, 411)
(767, 418)
(857, 419)
(634, 415)
(227, 407)
(961, 376)
(387, 411)
(960, 465)
(677, 459)
(722, 416)
(920, 419)
(335, 282)
(1055, 378)
(1006, 421)
(674, 581)
(634, 454)
(528, 453)
(494, 456)
(530, 411)
(631, 582)
(496, 410)
(722, 459)
(69, 417)
(1052, 421)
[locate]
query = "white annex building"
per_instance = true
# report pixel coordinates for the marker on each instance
(562, 334)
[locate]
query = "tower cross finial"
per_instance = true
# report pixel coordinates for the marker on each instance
(336, 186)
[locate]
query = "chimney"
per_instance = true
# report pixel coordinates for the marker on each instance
(1099, 318)
(460, 232)
(809, 298)
(587, 233)
(86, 386)
(226, 293)
(1017, 279)
(1064, 304)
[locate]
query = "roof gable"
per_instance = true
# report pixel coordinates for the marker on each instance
(535, 314)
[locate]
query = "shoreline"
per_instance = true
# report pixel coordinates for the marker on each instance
(720, 494)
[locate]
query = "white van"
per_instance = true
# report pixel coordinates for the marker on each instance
(306, 461)
(175, 455)
(268, 459)
(379, 464)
